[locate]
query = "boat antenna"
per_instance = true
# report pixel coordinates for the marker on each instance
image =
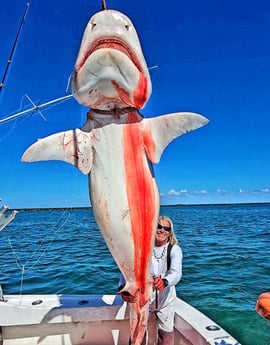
(104, 6)
(2, 83)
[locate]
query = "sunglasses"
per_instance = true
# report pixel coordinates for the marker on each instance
(166, 228)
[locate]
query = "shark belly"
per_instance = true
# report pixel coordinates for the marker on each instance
(125, 201)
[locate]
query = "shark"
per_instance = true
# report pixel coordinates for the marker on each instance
(117, 147)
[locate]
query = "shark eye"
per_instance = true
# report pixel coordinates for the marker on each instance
(127, 27)
(93, 25)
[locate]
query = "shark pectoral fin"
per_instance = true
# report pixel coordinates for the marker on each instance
(159, 131)
(73, 146)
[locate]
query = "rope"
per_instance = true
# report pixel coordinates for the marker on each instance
(113, 112)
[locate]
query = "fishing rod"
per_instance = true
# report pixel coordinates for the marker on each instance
(14, 47)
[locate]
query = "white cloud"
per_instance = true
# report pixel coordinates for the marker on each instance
(218, 196)
(173, 192)
(183, 191)
(222, 191)
(265, 190)
(203, 191)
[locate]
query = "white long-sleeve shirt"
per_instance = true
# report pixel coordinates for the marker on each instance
(173, 275)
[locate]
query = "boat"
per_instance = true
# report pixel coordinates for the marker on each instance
(94, 320)
(4, 218)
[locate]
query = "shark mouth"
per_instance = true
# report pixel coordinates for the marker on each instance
(112, 43)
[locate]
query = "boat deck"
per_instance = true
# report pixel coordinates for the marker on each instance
(94, 320)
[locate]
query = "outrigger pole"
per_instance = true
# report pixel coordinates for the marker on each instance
(14, 47)
(35, 108)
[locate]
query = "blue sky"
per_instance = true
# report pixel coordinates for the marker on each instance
(213, 58)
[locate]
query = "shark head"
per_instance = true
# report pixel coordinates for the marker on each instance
(110, 71)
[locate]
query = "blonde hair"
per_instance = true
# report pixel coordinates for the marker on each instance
(172, 239)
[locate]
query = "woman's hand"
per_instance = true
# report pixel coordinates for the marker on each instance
(160, 283)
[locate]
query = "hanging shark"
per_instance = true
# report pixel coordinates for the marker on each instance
(116, 148)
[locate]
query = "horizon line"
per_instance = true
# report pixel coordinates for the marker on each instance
(165, 205)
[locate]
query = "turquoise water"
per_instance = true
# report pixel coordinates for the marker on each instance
(226, 260)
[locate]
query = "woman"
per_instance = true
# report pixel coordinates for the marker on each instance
(165, 278)
(166, 269)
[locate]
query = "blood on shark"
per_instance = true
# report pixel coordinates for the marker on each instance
(116, 148)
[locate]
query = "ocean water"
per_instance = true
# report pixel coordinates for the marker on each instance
(226, 260)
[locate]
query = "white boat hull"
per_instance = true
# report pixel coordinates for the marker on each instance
(93, 320)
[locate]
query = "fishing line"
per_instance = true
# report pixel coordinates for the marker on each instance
(9, 132)
(68, 88)
(51, 241)
(24, 267)
(15, 123)
(56, 104)
(153, 76)
(28, 114)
